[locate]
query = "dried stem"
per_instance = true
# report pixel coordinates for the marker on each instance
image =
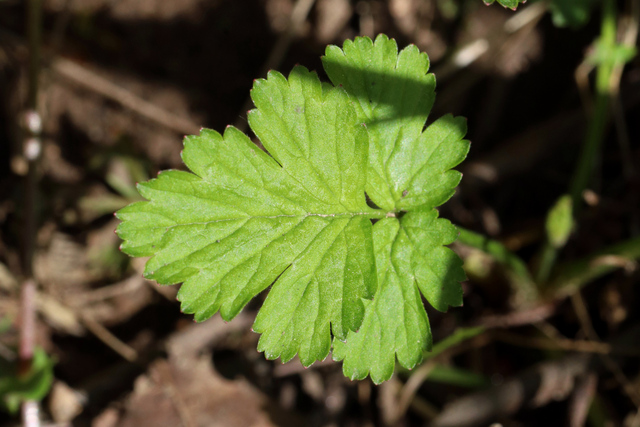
(92, 81)
(582, 313)
(32, 148)
(518, 273)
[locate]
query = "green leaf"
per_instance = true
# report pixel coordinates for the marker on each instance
(409, 171)
(511, 4)
(617, 54)
(570, 13)
(409, 168)
(393, 95)
(34, 385)
(298, 217)
(411, 258)
(560, 221)
(245, 219)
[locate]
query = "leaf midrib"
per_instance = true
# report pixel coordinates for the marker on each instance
(372, 215)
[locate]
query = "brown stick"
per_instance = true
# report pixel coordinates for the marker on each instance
(109, 339)
(92, 81)
(32, 147)
(582, 313)
(547, 381)
(520, 318)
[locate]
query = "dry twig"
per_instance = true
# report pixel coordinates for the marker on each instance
(547, 381)
(92, 81)
(587, 326)
(520, 318)
(109, 339)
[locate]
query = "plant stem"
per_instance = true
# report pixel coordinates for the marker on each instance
(27, 326)
(517, 270)
(548, 255)
(32, 125)
(32, 148)
(574, 275)
(594, 135)
(597, 124)
(34, 30)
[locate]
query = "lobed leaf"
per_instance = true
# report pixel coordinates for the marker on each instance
(244, 219)
(393, 95)
(409, 171)
(297, 217)
(410, 256)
